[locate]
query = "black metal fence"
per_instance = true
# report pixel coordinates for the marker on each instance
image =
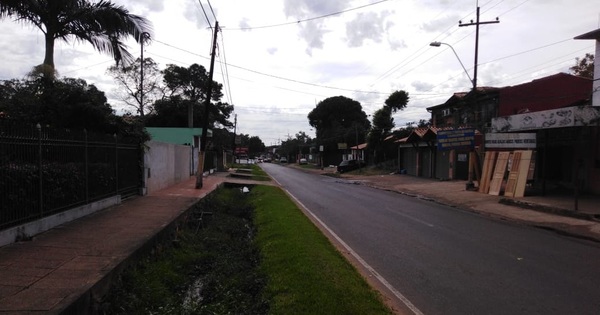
(45, 171)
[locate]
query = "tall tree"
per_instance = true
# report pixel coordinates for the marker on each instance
(255, 146)
(186, 88)
(584, 67)
(103, 24)
(332, 116)
(292, 147)
(132, 91)
(383, 123)
(338, 119)
(397, 101)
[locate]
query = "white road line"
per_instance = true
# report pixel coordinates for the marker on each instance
(381, 279)
(414, 219)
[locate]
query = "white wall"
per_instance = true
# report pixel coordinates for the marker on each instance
(167, 164)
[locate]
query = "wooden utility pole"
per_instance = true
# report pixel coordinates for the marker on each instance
(203, 139)
(470, 184)
(145, 37)
(234, 136)
(476, 23)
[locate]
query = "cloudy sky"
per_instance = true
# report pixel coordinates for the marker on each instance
(278, 58)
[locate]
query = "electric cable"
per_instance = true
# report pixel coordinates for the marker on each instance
(305, 20)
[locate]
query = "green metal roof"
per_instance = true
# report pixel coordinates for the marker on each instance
(173, 135)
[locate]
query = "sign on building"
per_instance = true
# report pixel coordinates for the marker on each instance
(556, 118)
(510, 140)
(455, 139)
(241, 150)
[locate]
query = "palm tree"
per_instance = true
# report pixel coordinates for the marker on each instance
(102, 24)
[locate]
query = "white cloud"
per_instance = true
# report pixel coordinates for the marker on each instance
(421, 86)
(369, 25)
(278, 74)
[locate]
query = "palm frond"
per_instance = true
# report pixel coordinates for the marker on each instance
(102, 24)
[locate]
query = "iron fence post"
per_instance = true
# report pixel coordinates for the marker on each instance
(116, 164)
(40, 194)
(86, 166)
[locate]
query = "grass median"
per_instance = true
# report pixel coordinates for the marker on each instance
(307, 275)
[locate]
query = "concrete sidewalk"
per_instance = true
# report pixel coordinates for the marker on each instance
(69, 267)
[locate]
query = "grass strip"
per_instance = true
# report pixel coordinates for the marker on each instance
(257, 172)
(256, 254)
(307, 275)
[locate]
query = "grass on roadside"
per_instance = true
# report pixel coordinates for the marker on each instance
(256, 254)
(257, 172)
(307, 275)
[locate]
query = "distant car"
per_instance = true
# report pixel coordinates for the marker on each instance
(302, 161)
(267, 160)
(283, 159)
(350, 165)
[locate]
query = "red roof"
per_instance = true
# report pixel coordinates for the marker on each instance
(551, 92)
(361, 146)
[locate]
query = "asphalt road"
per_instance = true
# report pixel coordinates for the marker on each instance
(448, 261)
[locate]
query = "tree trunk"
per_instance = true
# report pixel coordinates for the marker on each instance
(48, 64)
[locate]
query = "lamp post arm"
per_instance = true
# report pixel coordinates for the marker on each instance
(463, 66)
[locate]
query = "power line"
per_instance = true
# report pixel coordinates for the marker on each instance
(225, 73)
(305, 20)
(416, 55)
(211, 9)
(279, 77)
(205, 15)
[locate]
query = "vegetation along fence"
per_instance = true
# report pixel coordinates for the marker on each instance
(45, 171)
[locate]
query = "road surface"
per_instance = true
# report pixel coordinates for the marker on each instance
(444, 260)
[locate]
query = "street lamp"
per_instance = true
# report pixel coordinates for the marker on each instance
(469, 185)
(438, 44)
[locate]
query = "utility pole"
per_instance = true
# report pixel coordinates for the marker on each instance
(145, 36)
(234, 136)
(470, 185)
(476, 23)
(203, 139)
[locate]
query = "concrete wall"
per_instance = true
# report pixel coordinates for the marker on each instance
(28, 230)
(168, 164)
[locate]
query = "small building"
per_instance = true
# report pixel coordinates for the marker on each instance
(553, 116)
(473, 109)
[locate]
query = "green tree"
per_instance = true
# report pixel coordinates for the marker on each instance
(584, 67)
(171, 112)
(103, 24)
(71, 104)
(383, 123)
(397, 101)
(255, 146)
(185, 94)
(299, 145)
(338, 119)
(131, 91)
(334, 116)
